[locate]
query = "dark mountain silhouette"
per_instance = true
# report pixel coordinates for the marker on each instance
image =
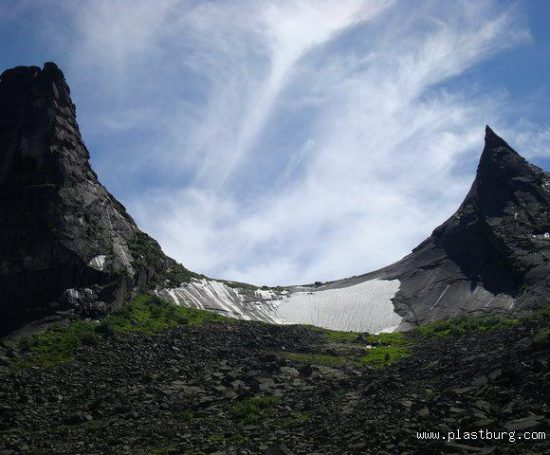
(65, 242)
(492, 254)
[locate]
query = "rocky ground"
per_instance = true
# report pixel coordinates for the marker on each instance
(253, 388)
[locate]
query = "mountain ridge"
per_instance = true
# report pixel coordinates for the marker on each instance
(493, 242)
(68, 247)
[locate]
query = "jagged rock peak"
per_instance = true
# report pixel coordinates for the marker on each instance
(23, 81)
(49, 72)
(493, 253)
(40, 139)
(499, 161)
(66, 244)
(493, 140)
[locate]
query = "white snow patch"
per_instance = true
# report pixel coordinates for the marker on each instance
(266, 294)
(388, 330)
(363, 307)
(98, 262)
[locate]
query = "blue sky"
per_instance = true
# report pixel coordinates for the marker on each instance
(288, 141)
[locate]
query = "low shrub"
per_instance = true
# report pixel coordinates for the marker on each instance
(252, 409)
(461, 325)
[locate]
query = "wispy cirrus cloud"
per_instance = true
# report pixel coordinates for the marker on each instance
(289, 141)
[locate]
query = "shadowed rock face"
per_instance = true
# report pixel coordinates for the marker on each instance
(65, 242)
(492, 254)
(67, 245)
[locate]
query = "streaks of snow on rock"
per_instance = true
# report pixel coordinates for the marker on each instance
(217, 296)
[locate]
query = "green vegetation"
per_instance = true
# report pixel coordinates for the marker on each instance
(387, 348)
(223, 439)
(150, 315)
(237, 439)
(146, 253)
(146, 313)
(341, 337)
(59, 343)
(95, 425)
(542, 337)
(295, 420)
(381, 356)
(316, 359)
(217, 438)
(252, 409)
(384, 349)
(395, 338)
(464, 324)
(185, 416)
(388, 339)
(542, 313)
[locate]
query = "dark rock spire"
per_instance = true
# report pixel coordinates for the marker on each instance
(493, 254)
(66, 244)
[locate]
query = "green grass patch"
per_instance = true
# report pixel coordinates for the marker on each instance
(237, 439)
(381, 356)
(295, 420)
(465, 324)
(150, 315)
(316, 359)
(541, 313)
(146, 313)
(225, 439)
(394, 338)
(341, 337)
(217, 438)
(59, 343)
(387, 348)
(388, 339)
(253, 409)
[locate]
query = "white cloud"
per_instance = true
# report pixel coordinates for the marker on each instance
(529, 139)
(291, 141)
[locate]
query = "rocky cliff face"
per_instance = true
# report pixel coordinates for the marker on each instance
(493, 254)
(66, 244)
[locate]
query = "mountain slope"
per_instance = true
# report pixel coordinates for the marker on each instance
(235, 387)
(491, 255)
(66, 244)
